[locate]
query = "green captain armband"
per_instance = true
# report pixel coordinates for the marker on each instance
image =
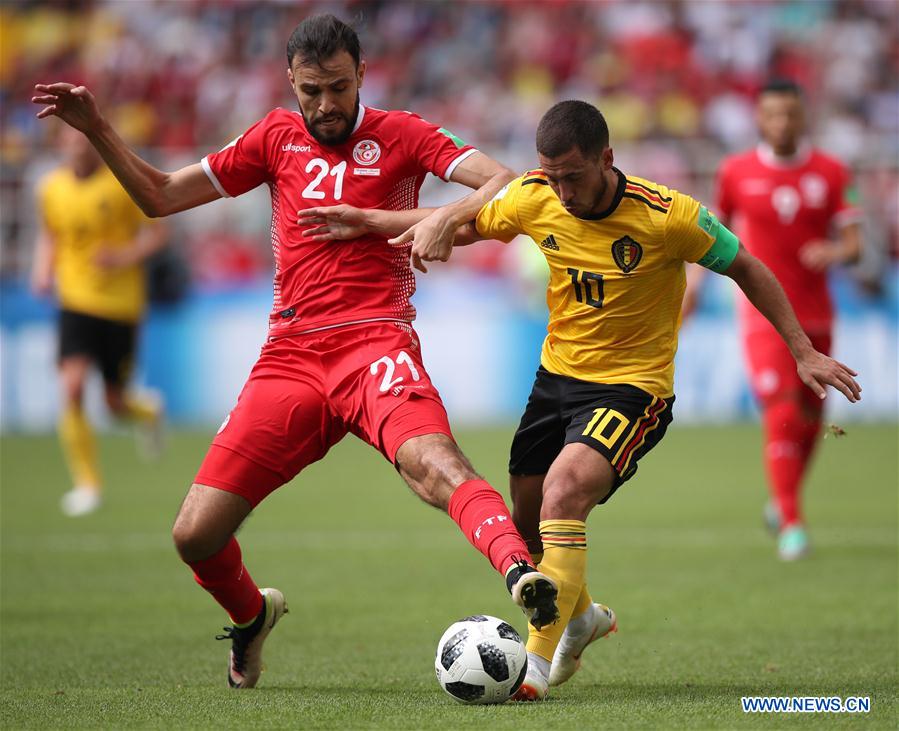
(725, 247)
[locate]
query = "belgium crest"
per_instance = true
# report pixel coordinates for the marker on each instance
(627, 253)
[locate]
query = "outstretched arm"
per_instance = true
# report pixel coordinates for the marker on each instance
(343, 222)
(157, 193)
(432, 238)
(764, 291)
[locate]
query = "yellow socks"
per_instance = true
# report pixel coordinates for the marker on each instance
(79, 448)
(584, 600)
(140, 408)
(565, 561)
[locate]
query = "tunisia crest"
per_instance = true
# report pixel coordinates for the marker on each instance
(367, 152)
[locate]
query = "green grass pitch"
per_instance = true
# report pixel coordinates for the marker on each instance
(102, 626)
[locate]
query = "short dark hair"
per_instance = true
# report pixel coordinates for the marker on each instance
(569, 124)
(781, 86)
(319, 37)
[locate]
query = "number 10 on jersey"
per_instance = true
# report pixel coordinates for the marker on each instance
(587, 287)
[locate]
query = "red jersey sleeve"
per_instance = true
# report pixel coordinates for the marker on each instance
(724, 201)
(434, 148)
(242, 165)
(844, 206)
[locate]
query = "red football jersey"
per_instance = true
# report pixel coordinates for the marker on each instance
(776, 206)
(381, 165)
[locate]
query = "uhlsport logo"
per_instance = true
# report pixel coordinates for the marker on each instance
(627, 254)
(296, 148)
(367, 152)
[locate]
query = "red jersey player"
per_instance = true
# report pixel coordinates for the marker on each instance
(341, 354)
(785, 198)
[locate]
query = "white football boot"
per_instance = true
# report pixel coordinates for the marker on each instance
(80, 501)
(600, 621)
(245, 660)
(535, 685)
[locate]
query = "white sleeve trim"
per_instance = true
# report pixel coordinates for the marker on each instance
(455, 163)
(212, 179)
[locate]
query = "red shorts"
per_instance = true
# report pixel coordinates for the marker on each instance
(772, 369)
(307, 391)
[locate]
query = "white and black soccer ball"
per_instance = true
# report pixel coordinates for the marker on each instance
(481, 659)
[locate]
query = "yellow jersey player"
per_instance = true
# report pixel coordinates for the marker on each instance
(603, 395)
(91, 246)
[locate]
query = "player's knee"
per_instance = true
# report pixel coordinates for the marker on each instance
(191, 541)
(184, 539)
(566, 497)
(560, 504)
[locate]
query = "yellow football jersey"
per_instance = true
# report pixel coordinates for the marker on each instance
(616, 281)
(85, 217)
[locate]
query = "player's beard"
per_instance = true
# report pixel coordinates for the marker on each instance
(334, 138)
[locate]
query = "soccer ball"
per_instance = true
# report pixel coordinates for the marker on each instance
(481, 659)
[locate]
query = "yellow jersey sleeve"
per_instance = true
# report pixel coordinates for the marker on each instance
(690, 228)
(498, 219)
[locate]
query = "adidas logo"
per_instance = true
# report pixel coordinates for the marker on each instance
(550, 243)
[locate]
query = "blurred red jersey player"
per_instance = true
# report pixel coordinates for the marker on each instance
(786, 200)
(341, 355)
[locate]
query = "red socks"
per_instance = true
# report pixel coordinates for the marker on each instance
(477, 508)
(790, 438)
(224, 576)
(483, 517)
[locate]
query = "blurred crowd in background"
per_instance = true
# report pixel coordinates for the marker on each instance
(675, 79)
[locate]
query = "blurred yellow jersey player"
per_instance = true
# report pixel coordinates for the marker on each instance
(92, 245)
(616, 277)
(93, 224)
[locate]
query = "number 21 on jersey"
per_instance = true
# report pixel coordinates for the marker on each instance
(388, 381)
(323, 171)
